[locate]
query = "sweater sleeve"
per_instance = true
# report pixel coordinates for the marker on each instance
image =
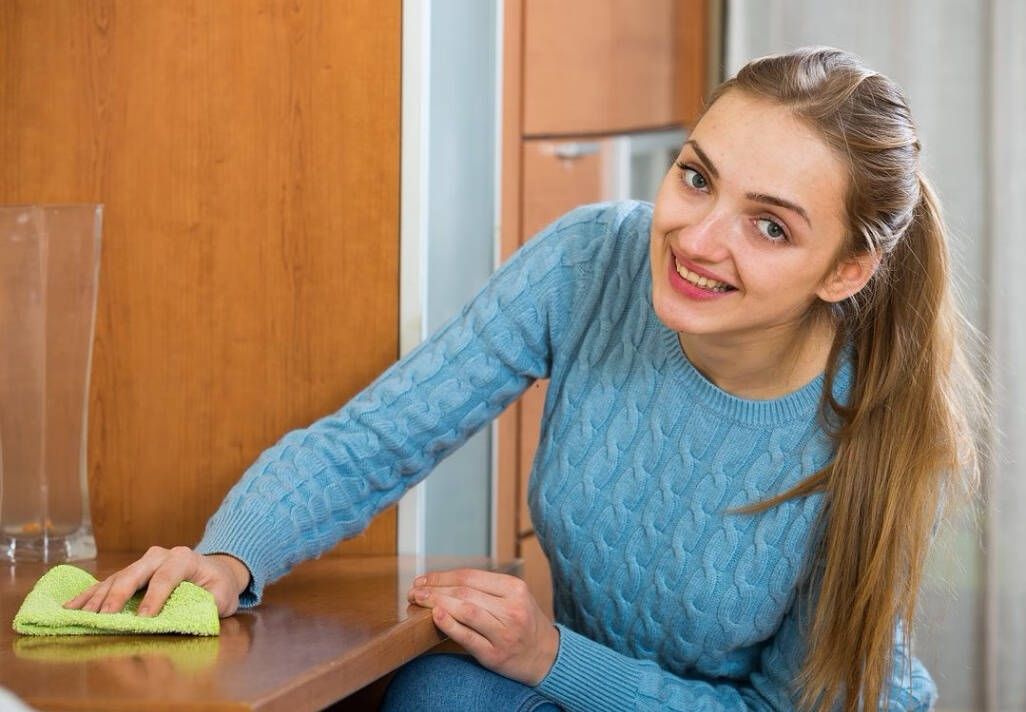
(325, 482)
(590, 677)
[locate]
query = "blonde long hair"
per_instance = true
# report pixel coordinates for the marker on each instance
(904, 441)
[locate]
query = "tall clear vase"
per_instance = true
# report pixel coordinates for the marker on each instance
(49, 270)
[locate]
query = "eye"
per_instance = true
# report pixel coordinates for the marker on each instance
(692, 178)
(771, 230)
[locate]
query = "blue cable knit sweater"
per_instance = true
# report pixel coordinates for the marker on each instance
(663, 601)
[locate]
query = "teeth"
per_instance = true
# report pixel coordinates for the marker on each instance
(700, 281)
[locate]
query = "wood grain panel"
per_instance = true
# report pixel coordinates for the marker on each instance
(601, 66)
(696, 47)
(553, 186)
(247, 152)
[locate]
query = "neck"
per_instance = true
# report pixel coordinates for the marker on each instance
(768, 365)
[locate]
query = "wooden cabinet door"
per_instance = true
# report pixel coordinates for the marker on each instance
(559, 175)
(606, 66)
(247, 153)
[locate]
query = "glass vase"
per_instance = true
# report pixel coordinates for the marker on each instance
(49, 269)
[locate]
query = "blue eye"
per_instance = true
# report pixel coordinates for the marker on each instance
(773, 232)
(692, 178)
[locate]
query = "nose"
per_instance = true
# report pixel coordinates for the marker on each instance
(707, 239)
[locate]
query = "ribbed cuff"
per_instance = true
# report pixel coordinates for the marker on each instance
(243, 535)
(590, 677)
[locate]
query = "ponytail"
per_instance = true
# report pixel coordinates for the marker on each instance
(904, 436)
(899, 443)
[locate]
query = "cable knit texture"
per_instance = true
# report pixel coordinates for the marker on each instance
(664, 601)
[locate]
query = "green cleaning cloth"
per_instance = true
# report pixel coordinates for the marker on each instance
(190, 609)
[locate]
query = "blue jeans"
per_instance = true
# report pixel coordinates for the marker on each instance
(446, 682)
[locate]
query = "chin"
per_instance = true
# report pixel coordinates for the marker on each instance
(675, 316)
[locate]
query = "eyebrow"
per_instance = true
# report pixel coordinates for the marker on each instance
(757, 197)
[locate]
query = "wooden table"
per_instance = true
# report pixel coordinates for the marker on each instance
(324, 631)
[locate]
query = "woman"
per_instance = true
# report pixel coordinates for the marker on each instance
(751, 419)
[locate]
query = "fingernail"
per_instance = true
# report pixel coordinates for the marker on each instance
(143, 611)
(420, 581)
(420, 594)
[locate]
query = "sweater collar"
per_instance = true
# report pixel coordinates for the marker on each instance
(797, 405)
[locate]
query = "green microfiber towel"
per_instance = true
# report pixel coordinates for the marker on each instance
(190, 609)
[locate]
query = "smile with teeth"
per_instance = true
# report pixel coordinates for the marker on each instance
(699, 281)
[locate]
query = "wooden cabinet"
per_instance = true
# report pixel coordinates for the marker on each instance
(247, 153)
(604, 66)
(601, 66)
(576, 74)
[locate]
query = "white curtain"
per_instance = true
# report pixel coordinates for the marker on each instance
(1005, 602)
(962, 65)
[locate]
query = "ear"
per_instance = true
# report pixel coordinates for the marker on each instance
(848, 276)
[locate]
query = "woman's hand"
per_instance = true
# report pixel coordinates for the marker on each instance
(494, 617)
(223, 575)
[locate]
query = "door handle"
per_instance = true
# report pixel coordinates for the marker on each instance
(574, 149)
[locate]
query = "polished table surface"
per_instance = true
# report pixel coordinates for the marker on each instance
(324, 631)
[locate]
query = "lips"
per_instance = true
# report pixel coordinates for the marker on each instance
(692, 291)
(700, 281)
(699, 277)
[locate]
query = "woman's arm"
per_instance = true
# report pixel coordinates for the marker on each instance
(324, 483)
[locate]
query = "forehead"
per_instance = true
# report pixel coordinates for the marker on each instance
(758, 146)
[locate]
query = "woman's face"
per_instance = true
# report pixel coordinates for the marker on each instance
(748, 224)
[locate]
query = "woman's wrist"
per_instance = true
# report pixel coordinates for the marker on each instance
(240, 572)
(548, 651)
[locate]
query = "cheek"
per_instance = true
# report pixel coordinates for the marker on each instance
(788, 278)
(656, 245)
(669, 205)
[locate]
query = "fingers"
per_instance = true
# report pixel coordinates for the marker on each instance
(481, 611)
(111, 594)
(488, 581)
(178, 566)
(472, 641)
(99, 596)
(499, 595)
(130, 579)
(494, 617)
(80, 599)
(160, 571)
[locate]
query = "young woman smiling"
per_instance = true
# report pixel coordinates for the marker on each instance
(757, 399)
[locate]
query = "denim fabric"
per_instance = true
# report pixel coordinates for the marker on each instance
(446, 682)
